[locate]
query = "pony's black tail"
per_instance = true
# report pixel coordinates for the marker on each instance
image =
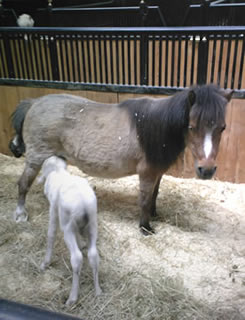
(17, 145)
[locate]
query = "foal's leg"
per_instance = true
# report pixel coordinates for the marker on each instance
(24, 184)
(93, 256)
(52, 228)
(76, 263)
(147, 184)
(154, 198)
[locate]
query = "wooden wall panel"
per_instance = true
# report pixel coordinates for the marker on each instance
(231, 157)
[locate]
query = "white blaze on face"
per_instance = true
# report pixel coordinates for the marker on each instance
(208, 145)
(15, 141)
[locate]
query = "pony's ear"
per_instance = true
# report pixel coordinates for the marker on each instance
(228, 94)
(191, 97)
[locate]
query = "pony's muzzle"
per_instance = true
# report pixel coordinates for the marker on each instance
(205, 173)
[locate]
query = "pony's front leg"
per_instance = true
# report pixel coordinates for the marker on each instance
(154, 197)
(24, 184)
(147, 185)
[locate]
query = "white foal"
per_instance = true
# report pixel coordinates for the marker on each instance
(72, 202)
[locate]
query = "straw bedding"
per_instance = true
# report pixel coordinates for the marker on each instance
(192, 268)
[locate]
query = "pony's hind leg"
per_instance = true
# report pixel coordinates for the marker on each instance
(24, 184)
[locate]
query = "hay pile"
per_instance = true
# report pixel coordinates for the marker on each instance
(192, 268)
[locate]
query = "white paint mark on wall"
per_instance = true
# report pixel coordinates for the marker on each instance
(208, 145)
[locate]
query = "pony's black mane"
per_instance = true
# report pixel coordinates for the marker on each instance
(162, 124)
(209, 105)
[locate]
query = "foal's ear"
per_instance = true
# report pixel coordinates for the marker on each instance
(228, 94)
(40, 179)
(191, 97)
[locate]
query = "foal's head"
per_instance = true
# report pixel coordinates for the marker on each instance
(206, 124)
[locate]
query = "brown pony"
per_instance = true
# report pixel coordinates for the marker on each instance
(138, 136)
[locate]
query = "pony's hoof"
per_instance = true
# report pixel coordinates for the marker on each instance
(147, 231)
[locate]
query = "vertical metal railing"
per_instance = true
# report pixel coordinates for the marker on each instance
(125, 57)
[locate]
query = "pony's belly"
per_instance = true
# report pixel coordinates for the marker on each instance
(104, 170)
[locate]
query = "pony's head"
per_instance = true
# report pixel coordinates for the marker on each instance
(206, 124)
(51, 164)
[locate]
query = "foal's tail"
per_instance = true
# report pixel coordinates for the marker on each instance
(17, 145)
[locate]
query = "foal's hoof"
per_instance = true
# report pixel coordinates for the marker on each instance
(71, 301)
(20, 216)
(147, 231)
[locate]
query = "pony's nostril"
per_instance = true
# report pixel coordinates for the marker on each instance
(200, 170)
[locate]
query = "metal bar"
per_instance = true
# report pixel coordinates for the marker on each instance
(179, 61)
(135, 60)
(67, 59)
(153, 60)
(78, 60)
(46, 48)
(8, 56)
(185, 61)
(193, 59)
(106, 63)
(29, 42)
(213, 59)
(166, 62)
(127, 30)
(160, 62)
(89, 59)
(35, 55)
(84, 61)
(220, 59)
(227, 62)
(54, 58)
(111, 61)
(241, 64)
(117, 60)
(21, 56)
(4, 73)
(123, 9)
(26, 57)
(94, 62)
(100, 60)
(239, 94)
(123, 62)
(129, 61)
(172, 62)
(202, 65)
(234, 64)
(72, 58)
(61, 39)
(16, 55)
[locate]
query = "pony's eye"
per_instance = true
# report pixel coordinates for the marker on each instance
(190, 128)
(223, 128)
